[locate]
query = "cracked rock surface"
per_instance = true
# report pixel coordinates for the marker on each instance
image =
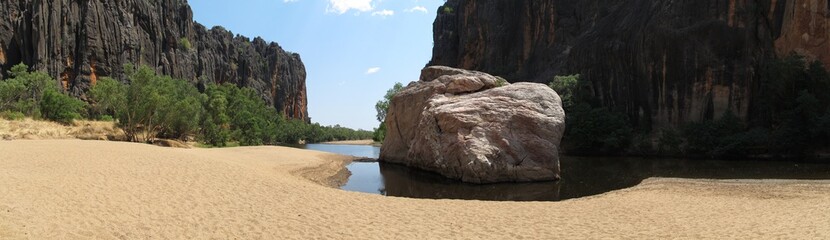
(464, 126)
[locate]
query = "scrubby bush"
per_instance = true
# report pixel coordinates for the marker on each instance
(184, 43)
(447, 9)
(501, 82)
(11, 115)
(24, 90)
(106, 118)
(109, 97)
(60, 107)
(37, 94)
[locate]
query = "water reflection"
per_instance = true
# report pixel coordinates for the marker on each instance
(580, 176)
(402, 181)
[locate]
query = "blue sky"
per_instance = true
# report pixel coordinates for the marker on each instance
(353, 50)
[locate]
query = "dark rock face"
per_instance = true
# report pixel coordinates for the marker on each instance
(664, 63)
(78, 41)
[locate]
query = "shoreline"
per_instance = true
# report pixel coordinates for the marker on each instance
(368, 142)
(58, 189)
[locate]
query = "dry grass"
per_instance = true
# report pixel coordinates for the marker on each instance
(29, 129)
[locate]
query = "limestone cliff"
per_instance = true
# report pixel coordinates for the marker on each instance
(664, 63)
(78, 41)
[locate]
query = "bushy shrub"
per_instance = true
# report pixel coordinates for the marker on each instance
(60, 107)
(24, 90)
(567, 87)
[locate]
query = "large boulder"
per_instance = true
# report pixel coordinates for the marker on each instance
(463, 125)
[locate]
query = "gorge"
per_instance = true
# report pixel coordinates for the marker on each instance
(662, 63)
(79, 41)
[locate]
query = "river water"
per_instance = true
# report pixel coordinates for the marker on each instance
(581, 176)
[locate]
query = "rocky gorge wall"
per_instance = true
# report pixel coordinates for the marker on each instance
(78, 41)
(662, 62)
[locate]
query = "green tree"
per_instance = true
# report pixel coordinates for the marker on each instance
(24, 91)
(382, 107)
(566, 87)
(380, 133)
(109, 97)
(151, 105)
(216, 124)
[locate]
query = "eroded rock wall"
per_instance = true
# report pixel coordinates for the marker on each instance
(664, 63)
(78, 41)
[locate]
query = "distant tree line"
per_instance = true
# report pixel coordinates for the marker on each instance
(790, 118)
(148, 106)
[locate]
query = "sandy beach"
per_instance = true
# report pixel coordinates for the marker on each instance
(70, 189)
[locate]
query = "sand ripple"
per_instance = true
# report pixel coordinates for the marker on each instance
(92, 189)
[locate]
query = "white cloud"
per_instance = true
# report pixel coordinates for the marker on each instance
(383, 13)
(414, 9)
(343, 6)
(289, 1)
(373, 70)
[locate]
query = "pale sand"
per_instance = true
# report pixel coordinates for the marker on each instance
(352, 142)
(92, 189)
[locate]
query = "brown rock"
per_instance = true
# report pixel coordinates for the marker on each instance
(503, 134)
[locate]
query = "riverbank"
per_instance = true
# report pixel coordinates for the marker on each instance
(96, 189)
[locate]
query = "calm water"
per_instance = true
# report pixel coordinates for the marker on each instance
(350, 150)
(580, 176)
